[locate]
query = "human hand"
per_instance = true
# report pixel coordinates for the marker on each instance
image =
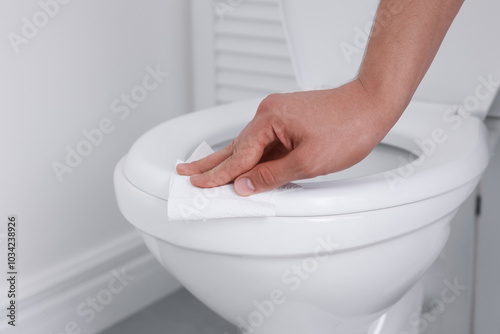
(296, 136)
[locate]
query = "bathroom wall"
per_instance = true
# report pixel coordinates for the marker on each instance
(79, 82)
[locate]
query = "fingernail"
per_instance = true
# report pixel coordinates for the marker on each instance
(244, 186)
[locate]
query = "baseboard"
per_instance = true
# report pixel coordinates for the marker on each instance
(93, 292)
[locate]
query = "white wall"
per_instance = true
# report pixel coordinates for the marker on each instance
(60, 81)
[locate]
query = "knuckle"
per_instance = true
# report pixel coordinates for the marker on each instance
(266, 176)
(269, 103)
(218, 177)
(231, 146)
(247, 156)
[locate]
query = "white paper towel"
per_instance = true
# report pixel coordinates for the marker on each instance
(187, 202)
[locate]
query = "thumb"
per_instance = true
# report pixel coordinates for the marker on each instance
(270, 175)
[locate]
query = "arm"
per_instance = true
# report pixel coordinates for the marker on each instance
(306, 134)
(402, 48)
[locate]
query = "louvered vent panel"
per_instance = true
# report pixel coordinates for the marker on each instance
(251, 55)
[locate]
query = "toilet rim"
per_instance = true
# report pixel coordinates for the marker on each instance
(284, 236)
(460, 154)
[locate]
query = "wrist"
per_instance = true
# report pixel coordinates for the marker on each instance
(388, 98)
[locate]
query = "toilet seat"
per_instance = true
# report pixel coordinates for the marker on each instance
(461, 156)
(347, 213)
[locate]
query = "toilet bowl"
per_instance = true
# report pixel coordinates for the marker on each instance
(345, 253)
(341, 254)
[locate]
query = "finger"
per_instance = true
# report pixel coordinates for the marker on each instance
(246, 153)
(272, 174)
(235, 165)
(206, 163)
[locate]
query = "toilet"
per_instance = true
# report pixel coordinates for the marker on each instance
(346, 253)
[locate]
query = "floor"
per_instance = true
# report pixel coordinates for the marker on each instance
(179, 313)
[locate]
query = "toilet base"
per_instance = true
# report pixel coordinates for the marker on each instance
(292, 317)
(402, 318)
(399, 319)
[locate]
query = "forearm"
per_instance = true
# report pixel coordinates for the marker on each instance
(405, 38)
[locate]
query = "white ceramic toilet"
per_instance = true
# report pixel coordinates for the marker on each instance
(345, 253)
